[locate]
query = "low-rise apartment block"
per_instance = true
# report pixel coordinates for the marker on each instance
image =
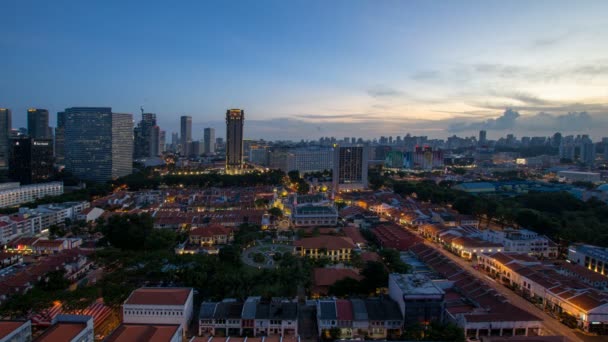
(253, 317)
(12, 194)
(374, 318)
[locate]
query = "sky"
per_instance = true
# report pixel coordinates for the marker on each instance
(306, 69)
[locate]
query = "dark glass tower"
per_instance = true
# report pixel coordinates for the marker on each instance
(38, 123)
(234, 141)
(31, 160)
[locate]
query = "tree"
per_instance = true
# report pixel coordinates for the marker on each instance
(303, 187)
(375, 277)
(294, 176)
(53, 281)
(392, 259)
(275, 212)
(128, 231)
(345, 287)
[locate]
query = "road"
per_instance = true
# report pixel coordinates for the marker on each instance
(551, 325)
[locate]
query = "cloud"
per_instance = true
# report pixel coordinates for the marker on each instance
(504, 122)
(541, 122)
(426, 75)
(384, 91)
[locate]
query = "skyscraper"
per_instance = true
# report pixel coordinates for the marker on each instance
(31, 160)
(38, 123)
(98, 143)
(174, 141)
(234, 140)
(587, 147)
(122, 145)
(209, 140)
(147, 137)
(350, 167)
(5, 133)
(186, 134)
(60, 139)
(482, 137)
(162, 141)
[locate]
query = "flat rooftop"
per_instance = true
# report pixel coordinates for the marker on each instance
(159, 296)
(415, 284)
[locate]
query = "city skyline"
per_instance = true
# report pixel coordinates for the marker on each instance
(311, 69)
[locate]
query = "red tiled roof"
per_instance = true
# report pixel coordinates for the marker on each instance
(329, 242)
(354, 234)
(344, 310)
(211, 230)
(143, 332)
(159, 296)
(370, 256)
(61, 332)
(7, 327)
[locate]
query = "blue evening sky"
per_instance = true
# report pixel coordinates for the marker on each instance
(304, 69)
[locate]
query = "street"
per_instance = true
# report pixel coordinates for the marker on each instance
(552, 326)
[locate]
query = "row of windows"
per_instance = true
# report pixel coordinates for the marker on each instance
(153, 313)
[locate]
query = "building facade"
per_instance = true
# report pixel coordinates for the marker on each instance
(148, 305)
(12, 194)
(209, 140)
(5, 133)
(60, 139)
(311, 159)
(419, 298)
(350, 167)
(38, 124)
(98, 143)
(147, 137)
(186, 134)
(335, 248)
(591, 257)
(31, 160)
(235, 119)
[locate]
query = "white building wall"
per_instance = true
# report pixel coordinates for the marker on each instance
(159, 314)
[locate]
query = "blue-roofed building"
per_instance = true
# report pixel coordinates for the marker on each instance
(248, 315)
(360, 319)
(205, 319)
(326, 315)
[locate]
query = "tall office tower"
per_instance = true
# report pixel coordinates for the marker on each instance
(234, 140)
(5, 133)
(186, 134)
(482, 137)
(587, 146)
(556, 140)
(146, 137)
(60, 139)
(98, 143)
(155, 142)
(350, 167)
(567, 148)
(162, 141)
(174, 141)
(122, 144)
(209, 140)
(31, 160)
(38, 123)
